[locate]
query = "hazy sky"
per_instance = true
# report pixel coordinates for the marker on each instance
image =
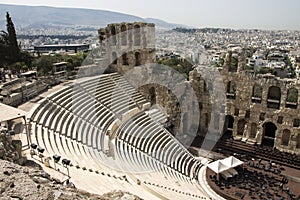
(263, 14)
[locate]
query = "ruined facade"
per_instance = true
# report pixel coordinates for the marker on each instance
(261, 109)
(127, 45)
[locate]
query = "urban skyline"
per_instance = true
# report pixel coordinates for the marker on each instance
(255, 14)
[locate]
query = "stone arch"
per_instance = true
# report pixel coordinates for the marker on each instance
(231, 90)
(114, 58)
(241, 127)
(285, 139)
(269, 132)
(125, 59)
(292, 98)
(123, 35)
(253, 130)
(137, 35)
(137, 56)
(257, 93)
(274, 96)
(113, 35)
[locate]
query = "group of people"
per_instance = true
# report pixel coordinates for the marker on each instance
(4, 72)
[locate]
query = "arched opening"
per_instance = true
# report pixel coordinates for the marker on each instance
(123, 35)
(274, 95)
(228, 126)
(152, 95)
(241, 127)
(286, 134)
(137, 56)
(298, 141)
(137, 35)
(231, 90)
(253, 130)
(125, 59)
(257, 93)
(113, 35)
(269, 132)
(292, 98)
(114, 58)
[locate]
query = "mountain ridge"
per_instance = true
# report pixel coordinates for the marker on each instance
(24, 15)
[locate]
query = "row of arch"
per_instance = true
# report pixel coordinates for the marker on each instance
(273, 98)
(125, 58)
(126, 35)
(269, 132)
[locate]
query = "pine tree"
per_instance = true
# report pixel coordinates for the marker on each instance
(9, 48)
(10, 52)
(12, 36)
(14, 50)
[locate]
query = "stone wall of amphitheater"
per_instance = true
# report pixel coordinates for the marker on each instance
(260, 109)
(127, 45)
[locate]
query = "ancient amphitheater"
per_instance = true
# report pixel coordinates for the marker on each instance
(116, 139)
(110, 132)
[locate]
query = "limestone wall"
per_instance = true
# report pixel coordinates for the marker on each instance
(128, 45)
(257, 116)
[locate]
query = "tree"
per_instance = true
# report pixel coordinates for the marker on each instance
(10, 51)
(12, 36)
(44, 64)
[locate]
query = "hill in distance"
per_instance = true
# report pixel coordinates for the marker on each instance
(43, 15)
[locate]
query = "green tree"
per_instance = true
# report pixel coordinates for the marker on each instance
(9, 48)
(12, 36)
(44, 64)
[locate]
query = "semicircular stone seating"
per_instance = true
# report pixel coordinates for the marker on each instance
(100, 121)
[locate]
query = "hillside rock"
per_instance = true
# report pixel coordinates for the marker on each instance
(30, 182)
